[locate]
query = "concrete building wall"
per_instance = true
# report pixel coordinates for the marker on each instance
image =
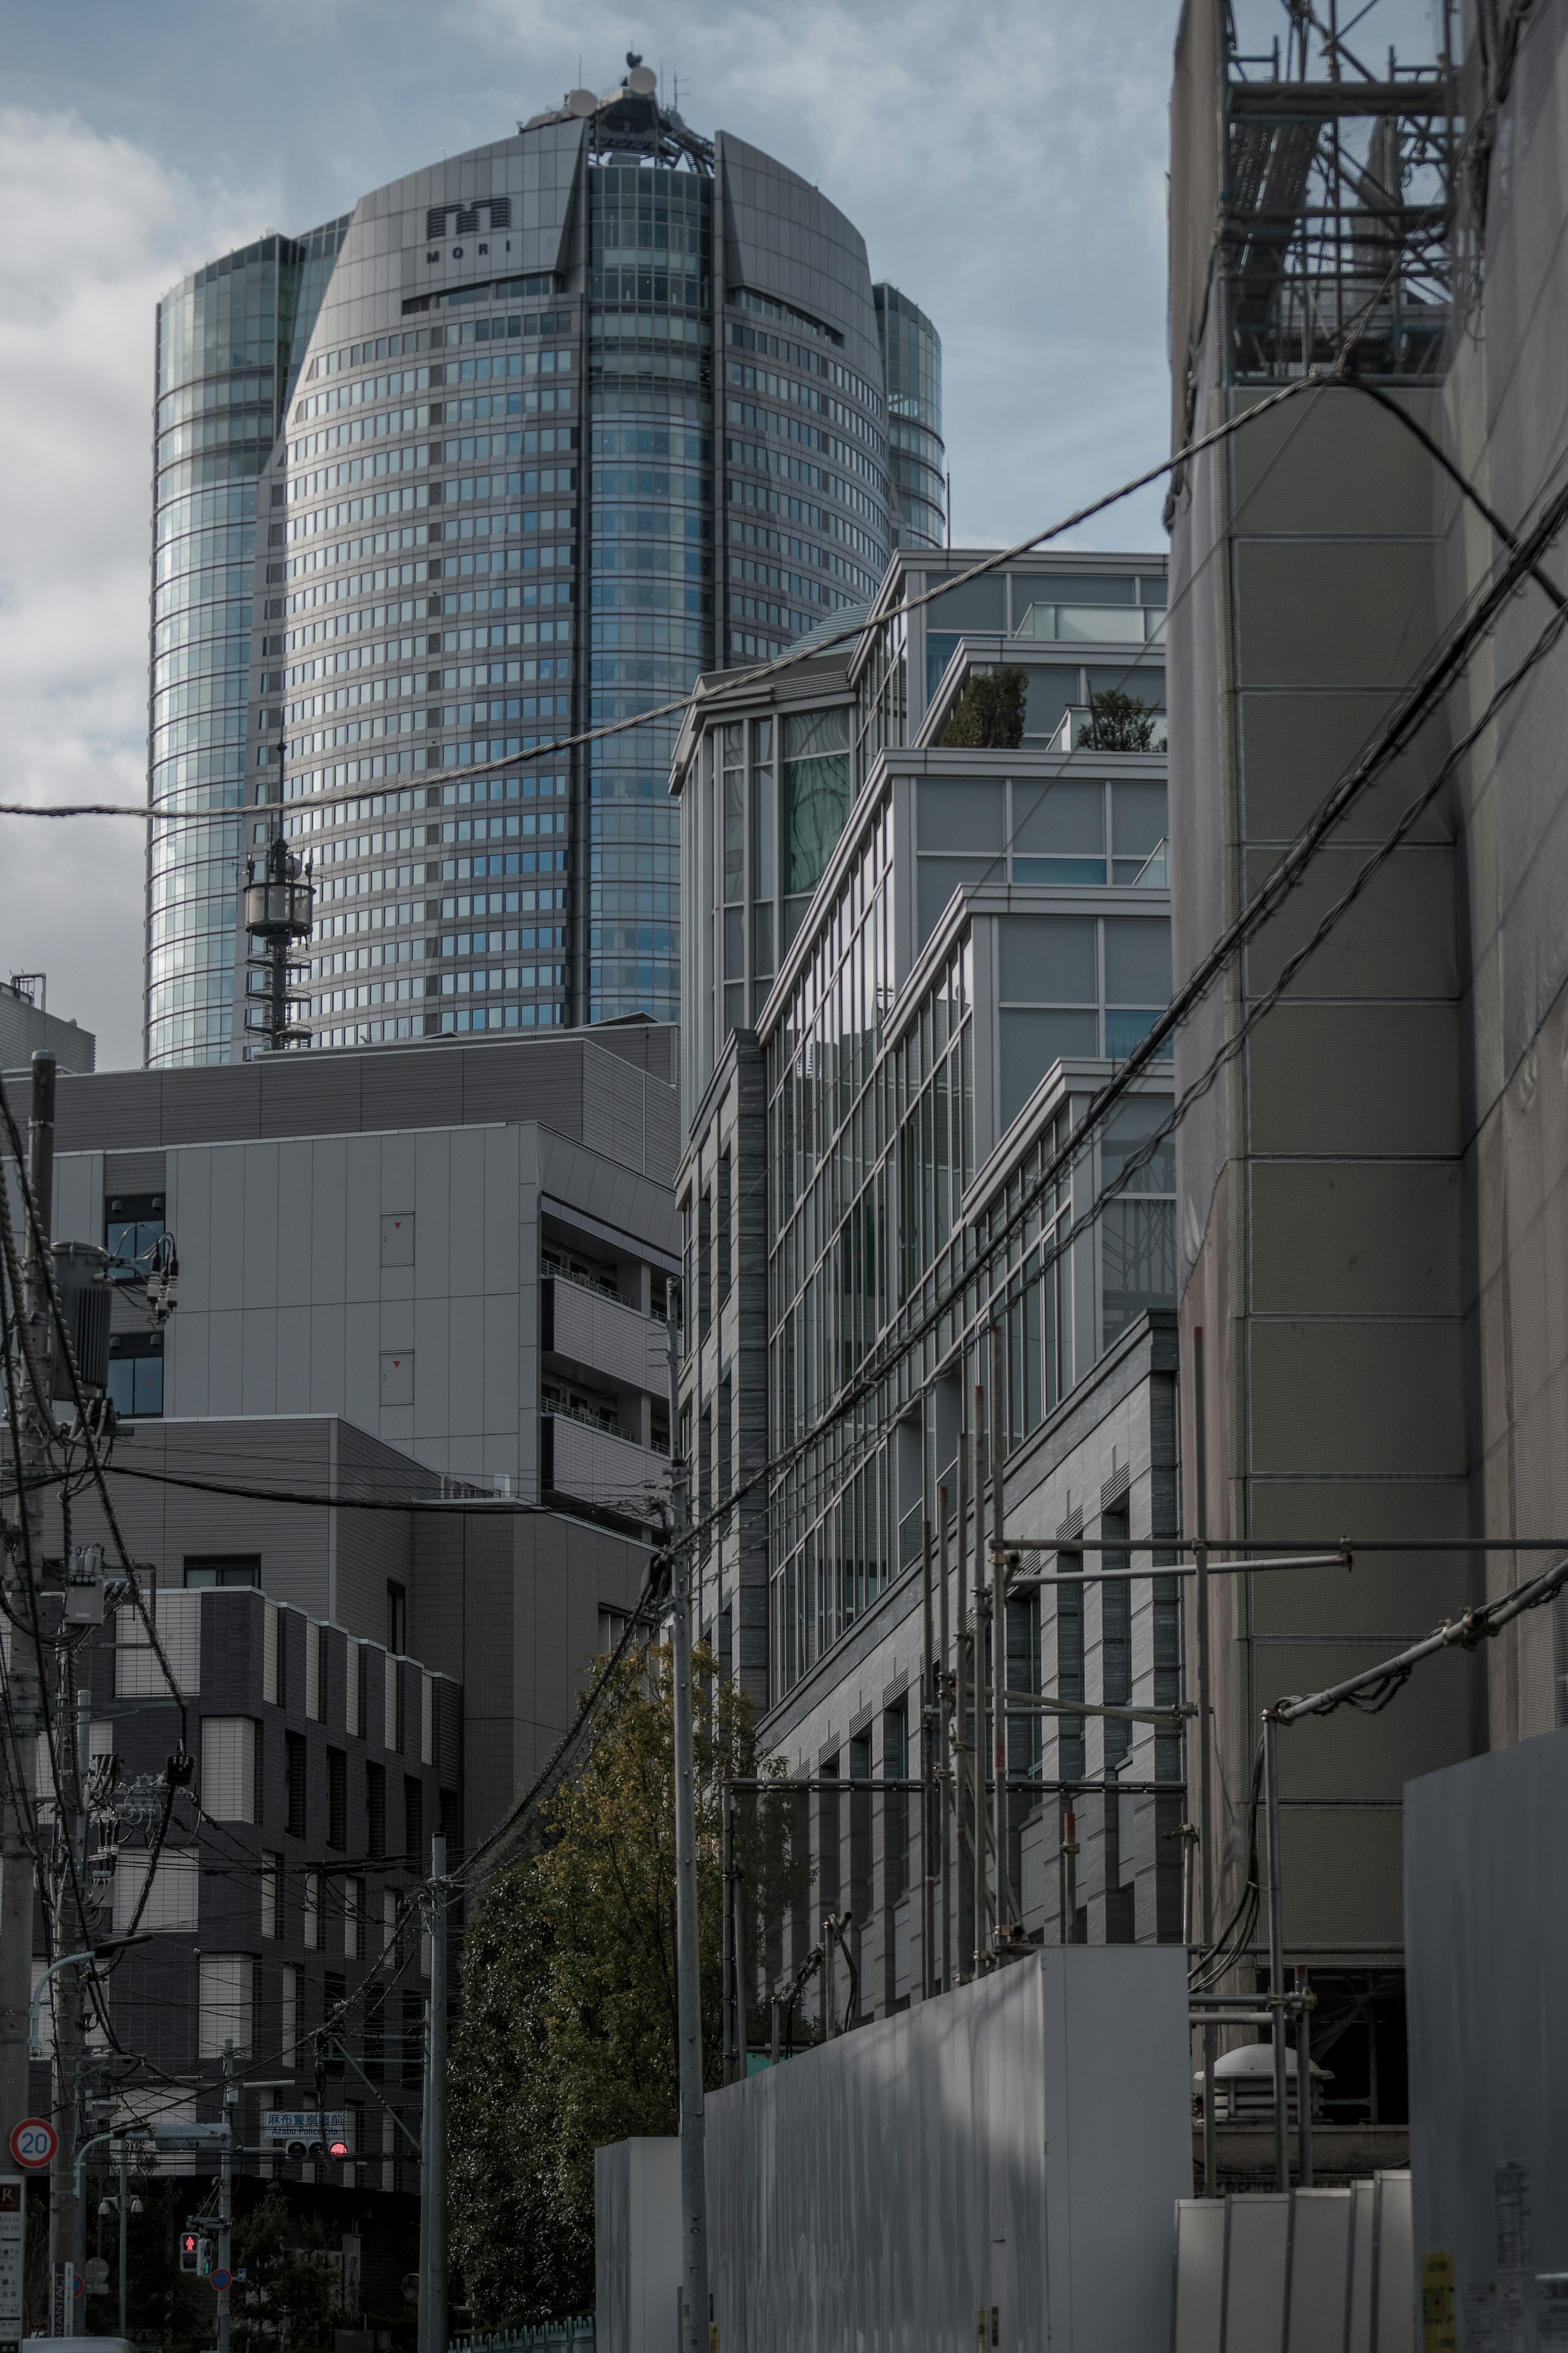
(26, 1029)
(360, 1242)
(1503, 415)
(1319, 1181)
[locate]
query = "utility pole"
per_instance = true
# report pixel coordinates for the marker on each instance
(962, 1654)
(434, 2187)
(422, 2330)
(125, 2215)
(982, 1647)
(689, 2008)
(16, 1885)
(928, 1714)
(1205, 1786)
(226, 2193)
(999, 1642)
(68, 2211)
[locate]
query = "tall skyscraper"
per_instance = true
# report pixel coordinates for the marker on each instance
(516, 448)
(911, 370)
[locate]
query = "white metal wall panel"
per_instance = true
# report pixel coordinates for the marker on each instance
(636, 2246)
(1017, 2144)
(179, 1619)
(1200, 2274)
(174, 1903)
(229, 1767)
(1256, 2255)
(1320, 2270)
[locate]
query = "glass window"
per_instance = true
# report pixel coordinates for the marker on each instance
(132, 1225)
(816, 792)
(206, 1570)
(1138, 1246)
(1064, 819)
(963, 817)
(1061, 874)
(1032, 1042)
(136, 1373)
(1048, 960)
(1137, 961)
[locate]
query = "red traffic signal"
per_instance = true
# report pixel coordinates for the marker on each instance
(339, 2148)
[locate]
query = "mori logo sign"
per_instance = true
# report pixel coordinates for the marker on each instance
(497, 211)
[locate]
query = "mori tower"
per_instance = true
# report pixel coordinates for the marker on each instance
(514, 450)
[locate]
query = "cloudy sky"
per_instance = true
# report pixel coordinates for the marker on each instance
(1006, 165)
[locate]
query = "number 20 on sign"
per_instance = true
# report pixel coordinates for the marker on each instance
(33, 2142)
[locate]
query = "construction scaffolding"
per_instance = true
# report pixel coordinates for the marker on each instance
(1335, 233)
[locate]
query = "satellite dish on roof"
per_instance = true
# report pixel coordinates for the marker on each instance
(642, 81)
(582, 102)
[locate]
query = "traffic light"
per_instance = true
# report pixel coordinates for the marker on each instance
(193, 2248)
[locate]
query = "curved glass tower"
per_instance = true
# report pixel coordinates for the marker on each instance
(911, 368)
(227, 337)
(514, 451)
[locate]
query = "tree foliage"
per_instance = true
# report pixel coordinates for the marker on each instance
(1119, 722)
(567, 2038)
(288, 2296)
(989, 714)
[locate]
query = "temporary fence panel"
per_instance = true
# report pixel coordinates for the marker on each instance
(997, 2165)
(1308, 2270)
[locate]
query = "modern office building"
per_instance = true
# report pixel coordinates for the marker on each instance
(437, 1272)
(920, 961)
(514, 449)
(912, 369)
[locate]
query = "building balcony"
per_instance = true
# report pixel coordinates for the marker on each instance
(1077, 731)
(602, 1336)
(603, 1472)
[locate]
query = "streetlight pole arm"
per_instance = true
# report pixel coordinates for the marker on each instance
(66, 1961)
(87, 2147)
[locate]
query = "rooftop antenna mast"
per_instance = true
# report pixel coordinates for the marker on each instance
(279, 913)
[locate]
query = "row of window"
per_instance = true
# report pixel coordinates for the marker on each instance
(389, 421)
(413, 340)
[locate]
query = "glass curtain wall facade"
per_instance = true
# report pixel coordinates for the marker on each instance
(228, 338)
(911, 365)
(464, 487)
(651, 595)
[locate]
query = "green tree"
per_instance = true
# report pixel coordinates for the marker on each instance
(287, 2299)
(989, 714)
(1119, 722)
(567, 2039)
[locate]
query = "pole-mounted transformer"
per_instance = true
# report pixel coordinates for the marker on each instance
(279, 904)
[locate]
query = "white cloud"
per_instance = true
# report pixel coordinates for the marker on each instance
(1007, 169)
(97, 230)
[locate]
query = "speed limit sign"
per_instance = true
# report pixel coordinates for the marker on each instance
(33, 2142)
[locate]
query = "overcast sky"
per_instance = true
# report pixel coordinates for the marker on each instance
(1005, 163)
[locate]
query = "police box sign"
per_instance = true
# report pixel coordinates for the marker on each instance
(302, 2124)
